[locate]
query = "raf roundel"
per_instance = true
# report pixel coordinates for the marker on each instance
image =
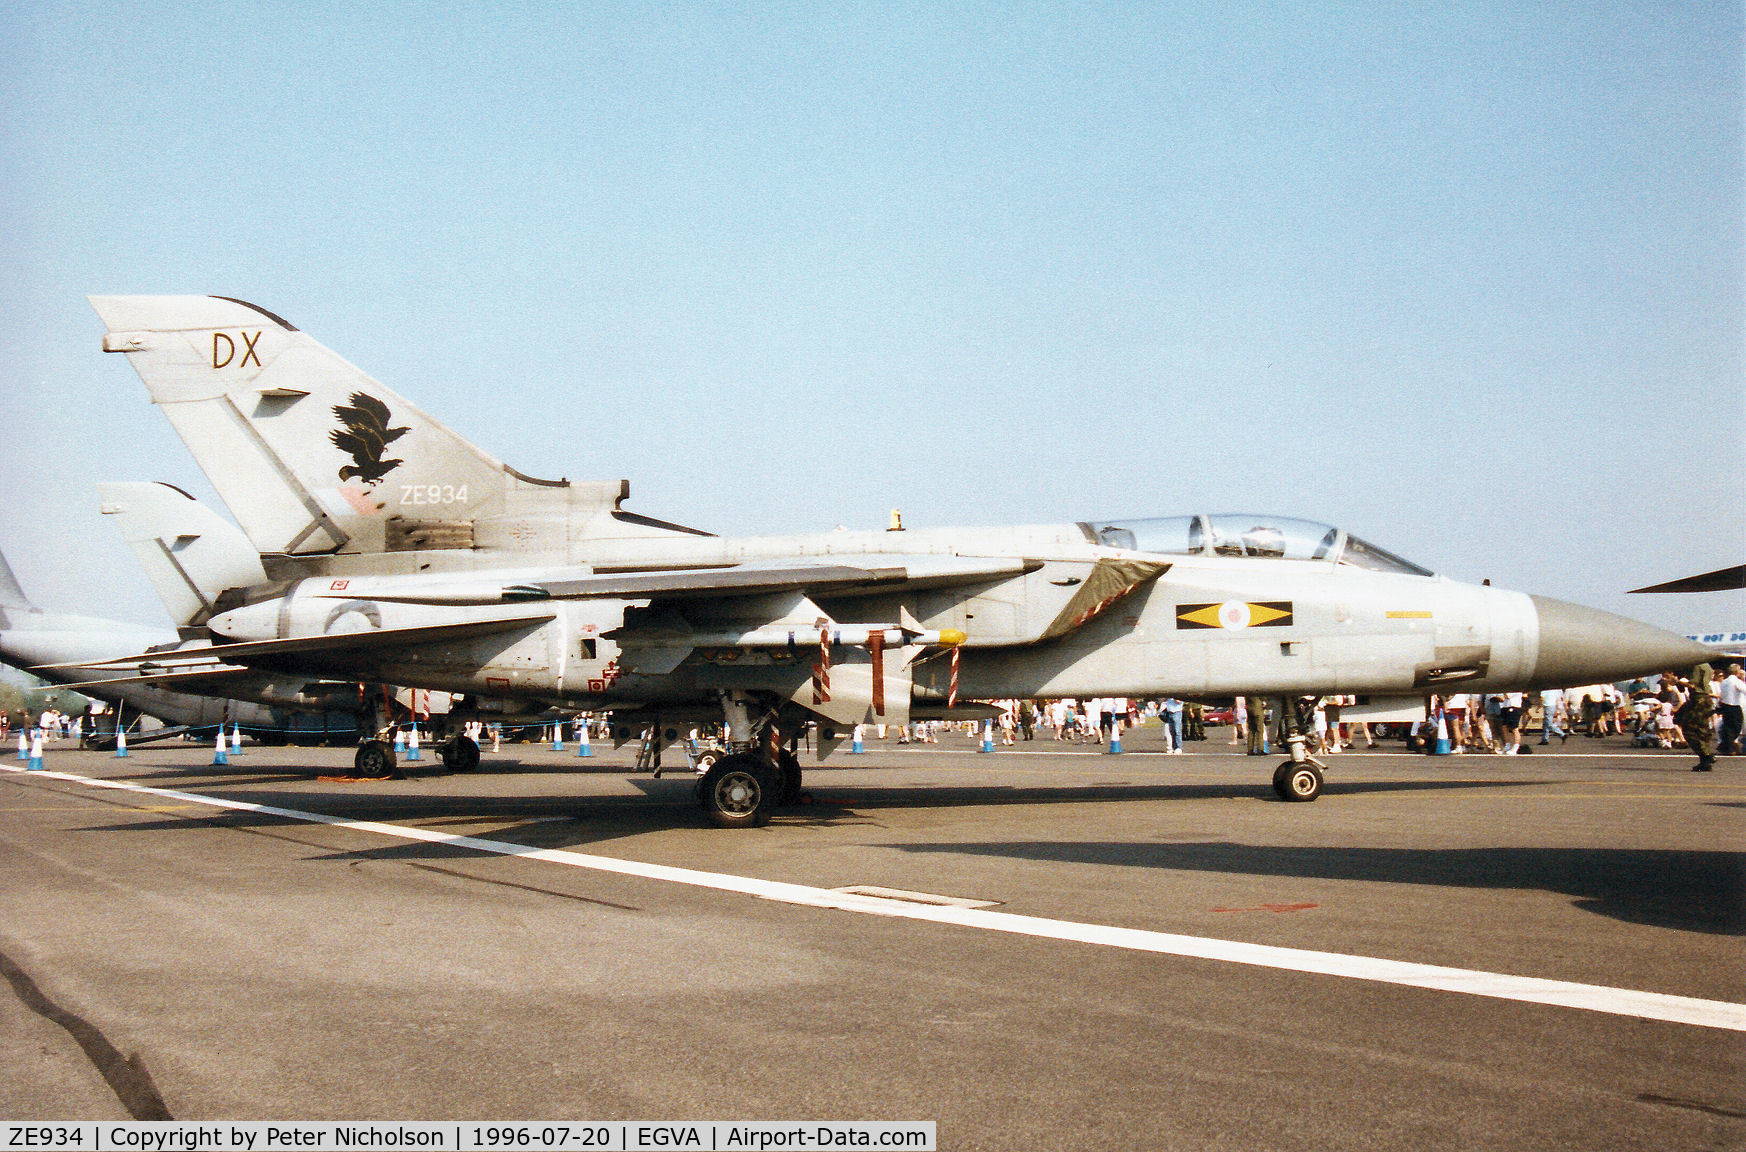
(1233, 614)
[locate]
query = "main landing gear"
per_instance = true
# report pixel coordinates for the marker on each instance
(375, 760)
(742, 788)
(460, 754)
(739, 791)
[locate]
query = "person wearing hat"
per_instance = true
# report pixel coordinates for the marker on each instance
(1731, 701)
(1694, 718)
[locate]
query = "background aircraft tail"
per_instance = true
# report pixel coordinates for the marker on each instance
(188, 552)
(314, 457)
(11, 595)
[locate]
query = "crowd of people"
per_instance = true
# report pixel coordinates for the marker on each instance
(1696, 710)
(52, 723)
(1702, 710)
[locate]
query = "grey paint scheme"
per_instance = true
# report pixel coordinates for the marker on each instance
(350, 554)
(31, 638)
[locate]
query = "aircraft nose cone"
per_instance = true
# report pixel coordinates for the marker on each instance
(1587, 646)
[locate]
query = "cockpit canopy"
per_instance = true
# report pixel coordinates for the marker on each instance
(1240, 534)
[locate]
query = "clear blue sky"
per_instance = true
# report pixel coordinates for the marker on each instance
(1466, 279)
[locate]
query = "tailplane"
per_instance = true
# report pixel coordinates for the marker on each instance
(313, 457)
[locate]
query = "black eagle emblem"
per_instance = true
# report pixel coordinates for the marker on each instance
(366, 436)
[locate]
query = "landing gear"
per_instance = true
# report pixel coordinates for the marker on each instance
(738, 792)
(788, 782)
(460, 754)
(1299, 779)
(1297, 782)
(375, 761)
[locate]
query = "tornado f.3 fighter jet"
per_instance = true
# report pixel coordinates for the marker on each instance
(397, 551)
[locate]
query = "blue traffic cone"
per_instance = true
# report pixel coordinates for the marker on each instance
(987, 736)
(120, 743)
(1115, 738)
(235, 738)
(1442, 735)
(557, 735)
(218, 756)
(855, 745)
(23, 745)
(399, 741)
(412, 744)
(35, 764)
(583, 748)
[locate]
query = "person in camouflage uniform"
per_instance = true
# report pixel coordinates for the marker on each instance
(1257, 725)
(1695, 716)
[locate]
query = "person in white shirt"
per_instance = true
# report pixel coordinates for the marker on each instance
(1509, 722)
(1551, 703)
(1731, 698)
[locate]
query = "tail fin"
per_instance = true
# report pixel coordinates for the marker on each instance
(312, 456)
(11, 595)
(187, 551)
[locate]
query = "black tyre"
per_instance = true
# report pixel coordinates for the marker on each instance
(1297, 783)
(788, 784)
(737, 792)
(375, 761)
(461, 754)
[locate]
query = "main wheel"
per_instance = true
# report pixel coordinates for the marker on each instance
(375, 760)
(1297, 782)
(737, 792)
(461, 754)
(788, 787)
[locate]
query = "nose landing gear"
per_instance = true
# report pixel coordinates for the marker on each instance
(1299, 779)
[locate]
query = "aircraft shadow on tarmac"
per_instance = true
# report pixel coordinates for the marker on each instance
(666, 804)
(1690, 891)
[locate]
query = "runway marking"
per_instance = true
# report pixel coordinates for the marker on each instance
(1649, 757)
(1528, 989)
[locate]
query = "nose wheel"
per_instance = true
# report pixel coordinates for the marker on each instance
(1297, 782)
(1299, 779)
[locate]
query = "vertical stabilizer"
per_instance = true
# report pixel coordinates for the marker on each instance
(11, 595)
(315, 458)
(188, 552)
(310, 454)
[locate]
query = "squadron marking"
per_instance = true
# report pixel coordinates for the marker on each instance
(1235, 614)
(249, 352)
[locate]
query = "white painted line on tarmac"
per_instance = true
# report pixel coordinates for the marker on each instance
(1591, 997)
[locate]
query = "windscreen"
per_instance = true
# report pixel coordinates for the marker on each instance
(1246, 535)
(1362, 554)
